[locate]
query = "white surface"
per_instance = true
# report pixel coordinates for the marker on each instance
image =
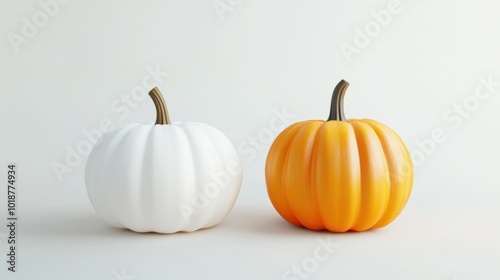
(235, 74)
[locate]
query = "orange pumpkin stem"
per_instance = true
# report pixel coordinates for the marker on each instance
(161, 107)
(337, 106)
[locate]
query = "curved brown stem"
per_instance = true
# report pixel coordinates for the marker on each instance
(337, 105)
(161, 107)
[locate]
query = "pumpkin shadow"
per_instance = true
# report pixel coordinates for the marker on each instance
(88, 225)
(76, 224)
(81, 225)
(267, 222)
(255, 220)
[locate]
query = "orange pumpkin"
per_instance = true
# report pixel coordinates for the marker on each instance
(339, 174)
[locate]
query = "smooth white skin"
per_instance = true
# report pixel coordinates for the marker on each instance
(148, 178)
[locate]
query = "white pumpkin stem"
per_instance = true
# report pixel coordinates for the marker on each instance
(337, 106)
(161, 107)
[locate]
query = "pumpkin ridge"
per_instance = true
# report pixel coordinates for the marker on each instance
(292, 137)
(181, 139)
(402, 184)
(382, 138)
(289, 168)
(192, 131)
(120, 209)
(204, 129)
(149, 144)
(355, 143)
(284, 164)
(405, 152)
(312, 174)
(375, 187)
(271, 186)
(123, 132)
(389, 161)
(340, 188)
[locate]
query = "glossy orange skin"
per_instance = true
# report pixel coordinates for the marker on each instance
(339, 175)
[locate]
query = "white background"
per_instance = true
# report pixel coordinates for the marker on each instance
(234, 72)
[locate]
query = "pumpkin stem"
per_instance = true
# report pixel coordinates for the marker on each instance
(161, 107)
(337, 106)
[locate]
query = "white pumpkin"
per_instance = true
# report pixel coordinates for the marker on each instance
(164, 177)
